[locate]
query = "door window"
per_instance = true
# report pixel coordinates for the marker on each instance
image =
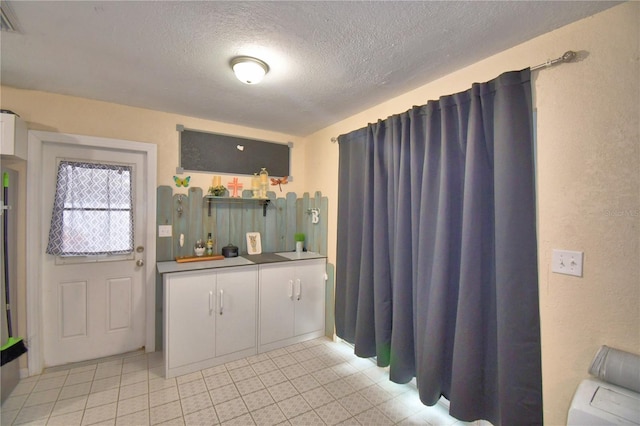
(92, 211)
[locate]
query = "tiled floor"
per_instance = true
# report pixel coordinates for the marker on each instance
(319, 382)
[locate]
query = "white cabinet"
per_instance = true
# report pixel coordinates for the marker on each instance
(276, 303)
(292, 302)
(210, 317)
(13, 136)
(213, 316)
(236, 328)
(190, 318)
(310, 297)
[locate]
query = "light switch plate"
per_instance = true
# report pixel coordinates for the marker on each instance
(164, 231)
(567, 262)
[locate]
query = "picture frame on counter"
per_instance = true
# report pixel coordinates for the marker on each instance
(254, 244)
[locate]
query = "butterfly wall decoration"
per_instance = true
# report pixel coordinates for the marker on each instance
(182, 182)
(279, 182)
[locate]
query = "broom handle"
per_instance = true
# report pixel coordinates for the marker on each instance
(5, 228)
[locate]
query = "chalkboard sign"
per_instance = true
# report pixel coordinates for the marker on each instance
(213, 152)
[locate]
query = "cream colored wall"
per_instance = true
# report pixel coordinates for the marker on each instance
(67, 114)
(588, 148)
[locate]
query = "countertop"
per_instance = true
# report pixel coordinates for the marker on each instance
(243, 260)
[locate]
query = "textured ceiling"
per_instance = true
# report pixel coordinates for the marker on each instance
(328, 60)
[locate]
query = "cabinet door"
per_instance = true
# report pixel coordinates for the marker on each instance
(191, 318)
(236, 310)
(309, 296)
(276, 303)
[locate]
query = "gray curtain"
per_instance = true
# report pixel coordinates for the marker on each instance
(436, 258)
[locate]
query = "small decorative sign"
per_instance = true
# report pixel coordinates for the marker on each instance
(254, 245)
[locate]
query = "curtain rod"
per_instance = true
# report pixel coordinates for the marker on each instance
(568, 56)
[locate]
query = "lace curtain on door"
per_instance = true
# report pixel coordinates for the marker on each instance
(92, 211)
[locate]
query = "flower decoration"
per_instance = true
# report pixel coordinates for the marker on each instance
(217, 191)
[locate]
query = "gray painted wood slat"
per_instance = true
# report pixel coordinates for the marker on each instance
(316, 227)
(313, 227)
(260, 221)
(302, 219)
(270, 237)
(222, 225)
(195, 217)
(281, 224)
(164, 216)
(236, 236)
(306, 222)
(248, 221)
(290, 222)
(181, 225)
(209, 223)
(324, 225)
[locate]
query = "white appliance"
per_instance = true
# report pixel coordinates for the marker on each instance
(600, 403)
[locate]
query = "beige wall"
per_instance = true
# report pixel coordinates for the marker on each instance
(588, 149)
(67, 114)
(588, 175)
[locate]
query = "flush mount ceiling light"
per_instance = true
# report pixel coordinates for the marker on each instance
(249, 70)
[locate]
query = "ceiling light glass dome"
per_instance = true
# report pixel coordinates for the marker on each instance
(249, 70)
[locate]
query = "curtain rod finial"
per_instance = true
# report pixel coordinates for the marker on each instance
(569, 56)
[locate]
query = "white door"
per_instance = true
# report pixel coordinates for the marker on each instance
(236, 310)
(309, 295)
(92, 306)
(191, 315)
(276, 303)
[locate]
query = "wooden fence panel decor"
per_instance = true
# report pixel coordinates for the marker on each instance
(229, 219)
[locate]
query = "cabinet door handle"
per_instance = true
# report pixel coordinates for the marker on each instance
(210, 301)
(290, 289)
(299, 289)
(221, 301)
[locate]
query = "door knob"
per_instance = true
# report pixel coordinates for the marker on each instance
(139, 262)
